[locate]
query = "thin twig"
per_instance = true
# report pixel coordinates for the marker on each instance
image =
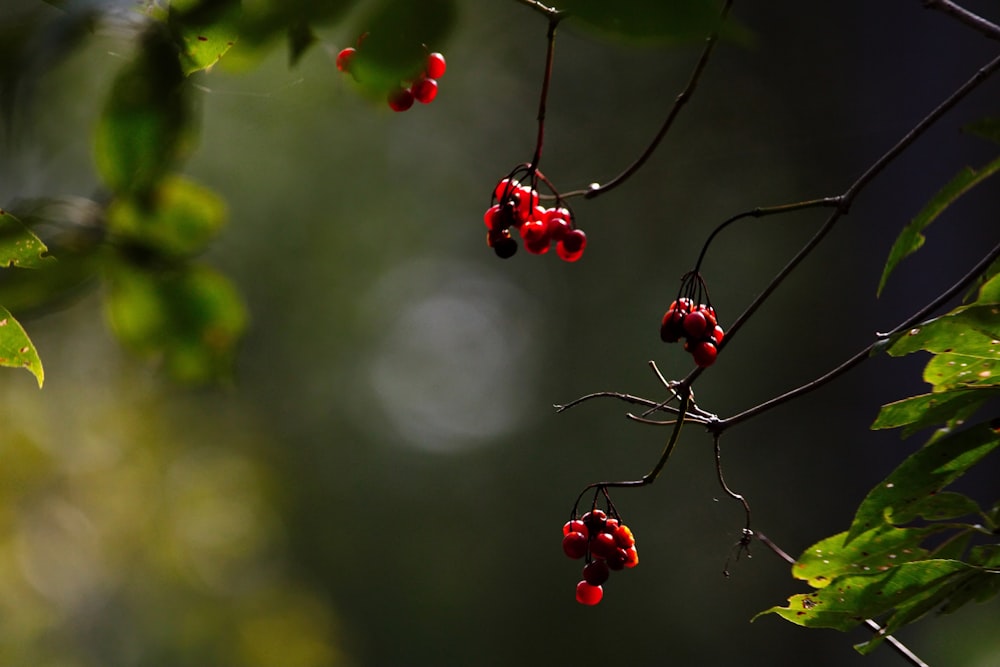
(550, 12)
(974, 21)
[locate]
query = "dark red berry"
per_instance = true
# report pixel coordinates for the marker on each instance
(671, 328)
(596, 572)
(575, 526)
(527, 200)
(704, 353)
(570, 247)
(345, 57)
(501, 242)
(602, 545)
(718, 334)
(695, 325)
(587, 594)
(616, 560)
(435, 66)
(610, 526)
(400, 99)
(536, 237)
(575, 545)
(424, 90)
(595, 520)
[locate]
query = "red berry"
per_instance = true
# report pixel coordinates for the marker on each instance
(345, 57)
(623, 537)
(610, 525)
(493, 217)
(709, 314)
(704, 353)
(587, 594)
(400, 99)
(718, 334)
(570, 247)
(631, 557)
(616, 561)
(595, 520)
(424, 90)
(575, 526)
(501, 242)
(596, 572)
(527, 200)
(536, 237)
(575, 545)
(505, 188)
(435, 66)
(603, 545)
(695, 325)
(671, 328)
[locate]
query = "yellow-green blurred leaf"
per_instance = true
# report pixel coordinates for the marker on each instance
(16, 349)
(204, 32)
(18, 245)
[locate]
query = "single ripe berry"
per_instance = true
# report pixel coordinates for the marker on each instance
(527, 200)
(704, 353)
(400, 99)
(595, 520)
(596, 572)
(588, 594)
(671, 328)
(631, 557)
(345, 57)
(575, 545)
(718, 334)
(435, 66)
(575, 526)
(536, 237)
(603, 545)
(570, 246)
(616, 560)
(424, 90)
(557, 220)
(501, 242)
(505, 189)
(695, 325)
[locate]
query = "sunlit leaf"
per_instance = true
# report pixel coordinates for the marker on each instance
(924, 473)
(950, 371)
(874, 551)
(190, 317)
(848, 600)
(19, 246)
(912, 238)
(145, 126)
(204, 32)
(16, 349)
(919, 412)
(649, 21)
(178, 218)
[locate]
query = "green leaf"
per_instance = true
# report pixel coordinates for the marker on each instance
(987, 128)
(650, 21)
(145, 127)
(178, 219)
(848, 600)
(919, 412)
(190, 317)
(16, 349)
(874, 551)
(924, 473)
(952, 371)
(19, 246)
(204, 32)
(912, 238)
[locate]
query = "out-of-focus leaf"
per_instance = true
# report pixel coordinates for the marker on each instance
(397, 36)
(16, 349)
(300, 38)
(987, 128)
(874, 551)
(940, 506)
(912, 238)
(204, 32)
(924, 473)
(650, 21)
(265, 22)
(18, 246)
(919, 412)
(178, 218)
(191, 317)
(848, 600)
(145, 127)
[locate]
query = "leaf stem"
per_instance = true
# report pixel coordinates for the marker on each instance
(974, 21)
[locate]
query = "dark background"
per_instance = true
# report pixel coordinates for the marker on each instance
(385, 482)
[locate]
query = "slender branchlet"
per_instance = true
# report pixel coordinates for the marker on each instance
(974, 21)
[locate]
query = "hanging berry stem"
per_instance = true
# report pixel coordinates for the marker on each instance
(547, 78)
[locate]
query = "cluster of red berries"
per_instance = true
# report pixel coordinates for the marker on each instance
(422, 89)
(697, 325)
(606, 543)
(517, 206)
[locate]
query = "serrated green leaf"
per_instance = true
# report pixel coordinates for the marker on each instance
(924, 473)
(145, 127)
(204, 32)
(987, 128)
(875, 551)
(919, 412)
(657, 22)
(177, 219)
(191, 317)
(16, 349)
(19, 246)
(911, 238)
(848, 600)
